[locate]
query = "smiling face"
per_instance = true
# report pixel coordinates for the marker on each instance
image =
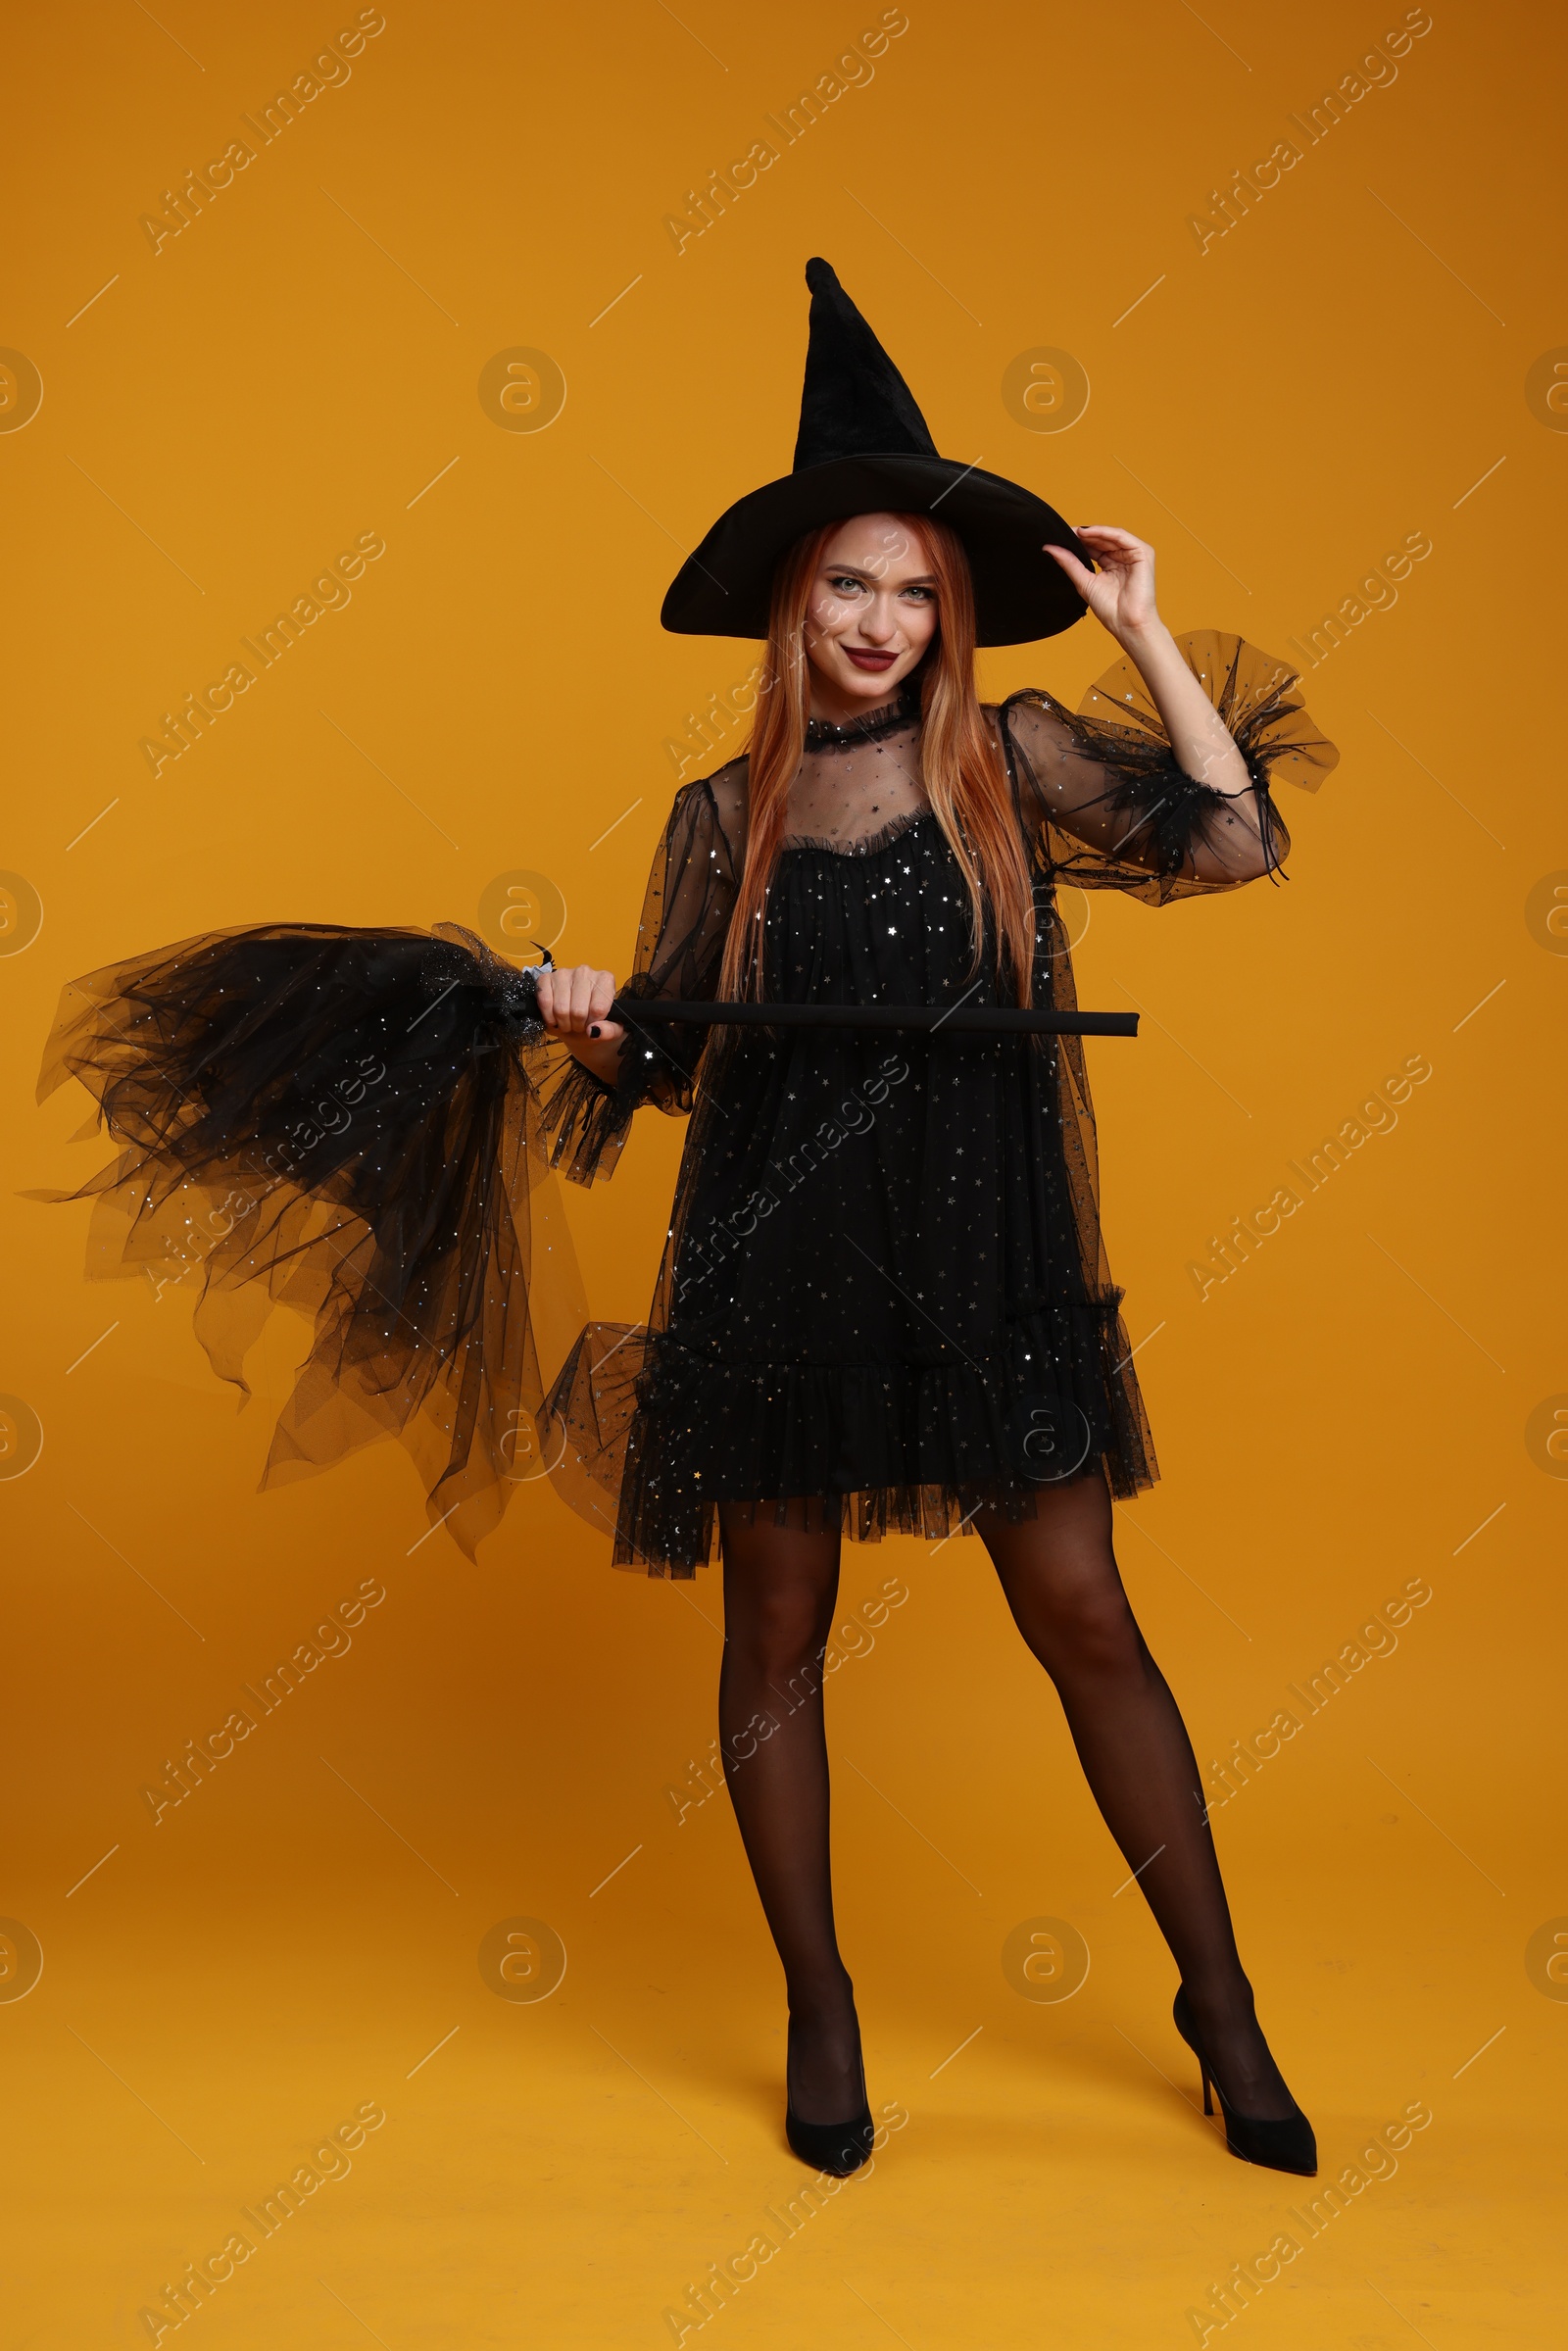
(872, 614)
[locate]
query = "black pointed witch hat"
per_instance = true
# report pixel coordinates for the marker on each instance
(863, 447)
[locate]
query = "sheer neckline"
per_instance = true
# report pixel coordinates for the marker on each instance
(868, 846)
(821, 734)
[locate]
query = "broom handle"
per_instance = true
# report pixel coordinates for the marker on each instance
(959, 1019)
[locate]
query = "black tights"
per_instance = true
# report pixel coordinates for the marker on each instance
(1059, 1573)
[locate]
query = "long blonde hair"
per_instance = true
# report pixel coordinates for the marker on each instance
(961, 764)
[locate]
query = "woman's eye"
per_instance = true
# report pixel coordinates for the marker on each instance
(924, 594)
(843, 583)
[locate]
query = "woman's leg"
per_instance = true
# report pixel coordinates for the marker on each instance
(1059, 1572)
(780, 1586)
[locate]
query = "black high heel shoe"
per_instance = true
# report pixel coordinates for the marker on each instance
(1284, 2143)
(838, 2148)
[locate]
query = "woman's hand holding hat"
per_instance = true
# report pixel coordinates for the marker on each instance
(1121, 592)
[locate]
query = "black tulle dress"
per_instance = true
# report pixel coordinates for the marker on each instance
(884, 1288)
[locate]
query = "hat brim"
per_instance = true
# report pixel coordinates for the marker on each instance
(725, 587)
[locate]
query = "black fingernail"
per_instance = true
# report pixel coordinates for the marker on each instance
(593, 1032)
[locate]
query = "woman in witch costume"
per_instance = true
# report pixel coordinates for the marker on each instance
(883, 1302)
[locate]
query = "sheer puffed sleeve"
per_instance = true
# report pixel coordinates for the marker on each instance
(680, 945)
(1103, 791)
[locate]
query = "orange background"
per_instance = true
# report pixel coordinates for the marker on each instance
(1276, 413)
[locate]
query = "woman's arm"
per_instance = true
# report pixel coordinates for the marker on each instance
(1121, 597)
(612, 1067)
